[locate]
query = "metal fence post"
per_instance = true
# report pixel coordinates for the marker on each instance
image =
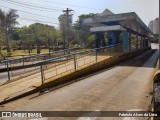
(23, 62)
(96, 56)
(110, 51)
(44, 57)
(75, 66)
(9, 78)
(49, 54)
(42, 74)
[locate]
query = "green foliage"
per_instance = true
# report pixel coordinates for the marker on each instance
(7, 23)
(87, 40)
(1, 38)
(87, 16)
(155, 38)
(14, 45)
(26, 38)
(91, 41)
(73, 36)
(38, 36)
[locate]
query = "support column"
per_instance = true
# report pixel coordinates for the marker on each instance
(125, 41)
(147, 42)
(113, 38)
(141, 42)
(109, 37)
(97, 40)
(129, 40)
(136, 41)
(100, 39)
(117, 37)
(144, 42)
(103, 40)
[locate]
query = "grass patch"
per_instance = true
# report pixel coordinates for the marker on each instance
(22, 52)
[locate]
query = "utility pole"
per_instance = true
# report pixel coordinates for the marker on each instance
(67, 13)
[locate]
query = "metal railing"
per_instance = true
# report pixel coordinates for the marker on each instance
(53, 68)
(21, 67)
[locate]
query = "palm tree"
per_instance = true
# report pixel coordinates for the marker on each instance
(7, 23)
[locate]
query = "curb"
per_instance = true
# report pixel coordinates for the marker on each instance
(12, 98)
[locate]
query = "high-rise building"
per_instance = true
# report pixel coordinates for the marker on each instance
(154, 26)
(63, 21)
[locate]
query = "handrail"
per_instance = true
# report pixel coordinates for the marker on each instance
(36, 55)
(68, 55)
(16, 59)
(60, 51)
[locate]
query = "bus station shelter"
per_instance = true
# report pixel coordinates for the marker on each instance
(125, 28)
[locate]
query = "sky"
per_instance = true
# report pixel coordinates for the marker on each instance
(48, 11)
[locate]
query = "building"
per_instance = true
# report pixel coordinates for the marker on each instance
(106, 12)
(154, 26)
(63, 21)
(124, 29)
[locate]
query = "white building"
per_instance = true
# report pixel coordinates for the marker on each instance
(63, 22)
(154, 26)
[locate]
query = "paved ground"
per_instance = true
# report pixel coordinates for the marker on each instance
(124, 87)
(155, 46)
(16, 73)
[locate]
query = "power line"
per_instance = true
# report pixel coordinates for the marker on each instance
(69, 5)
(30, 13)
(27, 6)
(33, 6)
(28, 19)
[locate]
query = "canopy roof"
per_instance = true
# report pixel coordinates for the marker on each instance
(130, 21)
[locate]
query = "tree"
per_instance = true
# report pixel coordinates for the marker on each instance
(44, 35)
(26, 37)
(155, 38)
(1, 38)
(84, 31)
(73, 36)
(91, 41)
(83, 36)
(59, 40)
(8, 22)
(36, 30)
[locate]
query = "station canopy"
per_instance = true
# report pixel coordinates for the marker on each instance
(130, 21)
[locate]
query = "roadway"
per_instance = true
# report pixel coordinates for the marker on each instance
(126, 86)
